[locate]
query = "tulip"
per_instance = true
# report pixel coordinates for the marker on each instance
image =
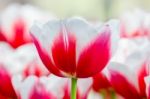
(127, 75)
(19, 61)
(135, 24)
(72, 48)
(16, 20)
(18, 31)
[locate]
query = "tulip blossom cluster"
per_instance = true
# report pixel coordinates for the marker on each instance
(73, 58)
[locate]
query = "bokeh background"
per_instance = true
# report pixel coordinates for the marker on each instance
(90, 9)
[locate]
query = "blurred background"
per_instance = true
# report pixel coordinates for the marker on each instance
(89, 9)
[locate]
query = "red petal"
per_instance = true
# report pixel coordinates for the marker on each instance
(3, 97)
(2, 37)
(141, 75)
(123, 86)
(100, 82)
(63, 51)
(46, 59)
(66, 92)
(94, 57)
(6, 88)
(19, 30)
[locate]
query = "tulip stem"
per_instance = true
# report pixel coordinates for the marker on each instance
(73, 88)
(113, 94)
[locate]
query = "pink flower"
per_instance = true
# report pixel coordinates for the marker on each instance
(18, 30)
(72, 47)
(122, 81)
(19, 61)
(126, 73)
(16, 20)
(135, 24)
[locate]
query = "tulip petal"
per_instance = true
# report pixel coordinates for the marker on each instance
(64, 53)
(141, 74)
(122, 81)
(42, 47)
(83, 31)
(100, 82)
(6, 88)
(95, 56)
(2, 37)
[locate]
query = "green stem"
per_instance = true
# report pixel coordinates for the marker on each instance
(113, 94)
(73, 88)
(103, 93)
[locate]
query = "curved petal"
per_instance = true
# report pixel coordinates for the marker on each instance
(46, 60)
(40, 39)
(123, 80)
(83, 31)
(115, 34)
(95, 56)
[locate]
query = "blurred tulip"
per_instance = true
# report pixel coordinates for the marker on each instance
(35, 68)
(19, 61)
(135, 24)
(49, 87)
(15, 22)
(19, 29)
(123, 83)
(125, 79)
